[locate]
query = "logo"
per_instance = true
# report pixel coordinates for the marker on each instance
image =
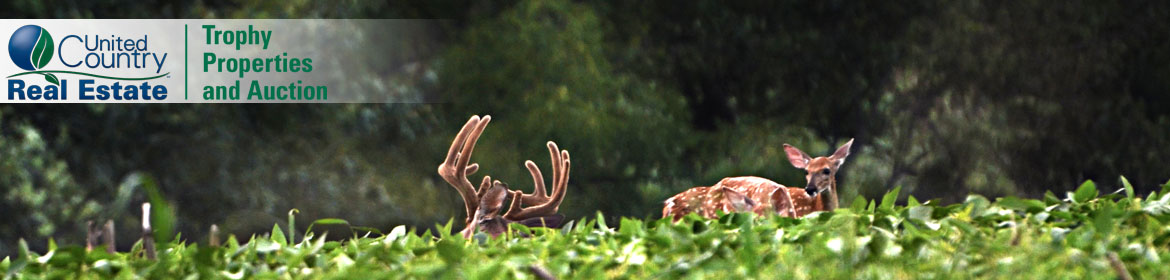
(31, 48)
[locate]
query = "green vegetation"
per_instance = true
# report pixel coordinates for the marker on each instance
(1083, 235)
(945, 98)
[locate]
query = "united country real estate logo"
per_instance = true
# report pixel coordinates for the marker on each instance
(32, 48)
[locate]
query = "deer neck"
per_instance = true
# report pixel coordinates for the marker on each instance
(829, 200)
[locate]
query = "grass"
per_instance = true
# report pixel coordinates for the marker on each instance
(1078, 235)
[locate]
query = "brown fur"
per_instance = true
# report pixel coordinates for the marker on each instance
(765, 196)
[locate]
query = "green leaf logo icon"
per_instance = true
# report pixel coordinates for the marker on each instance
(43, 51)
(52, 79)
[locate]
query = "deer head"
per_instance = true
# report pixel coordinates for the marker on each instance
(822, 171)
(483, 205)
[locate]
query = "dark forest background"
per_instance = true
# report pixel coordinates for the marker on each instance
(945, 98)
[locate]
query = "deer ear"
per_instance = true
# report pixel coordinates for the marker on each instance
(493, 200)
(842, 153)
(782, 203)
(737, 200)
(798, 158)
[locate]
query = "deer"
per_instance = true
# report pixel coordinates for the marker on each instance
(762, 196)
(538, 209)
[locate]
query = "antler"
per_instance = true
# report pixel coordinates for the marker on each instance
(455, 168)
(483, 205)
(543, 205)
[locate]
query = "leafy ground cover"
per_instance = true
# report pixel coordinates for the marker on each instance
(1081, 234)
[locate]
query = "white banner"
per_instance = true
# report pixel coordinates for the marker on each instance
(204, 61)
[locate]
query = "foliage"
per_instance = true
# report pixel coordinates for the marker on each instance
(615, 126)
(1073, 237)
(1020, 97)
(990, 97)
(33, 180)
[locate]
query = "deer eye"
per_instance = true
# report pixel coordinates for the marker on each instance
(825, 171)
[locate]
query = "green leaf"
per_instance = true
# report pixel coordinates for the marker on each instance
(978, 204)
(43, 51)
(633, 227)
(368, 230)
(162, 217)
(52, 79)
(1157, 206)
(396, 233)
(568, 227)
(1128, 188)
(263, 246)
(889, 199)
(292, 225)
(921, 212)
(1020, 204)
(1103, 220)
(1086, 192)
(520, 229)
(858, 204)
(278, 236)
(1050, 198)
(488, 271)
(601, 222)
(232, 243)
(962, 226)
(327, 222)
(450, 250)
(330, 221)
(1166, 188)
(22, 259)
(23, 252)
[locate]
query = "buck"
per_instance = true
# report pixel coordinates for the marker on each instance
(763, 196)
(483, 206)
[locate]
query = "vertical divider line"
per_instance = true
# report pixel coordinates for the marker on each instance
(186, 88)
